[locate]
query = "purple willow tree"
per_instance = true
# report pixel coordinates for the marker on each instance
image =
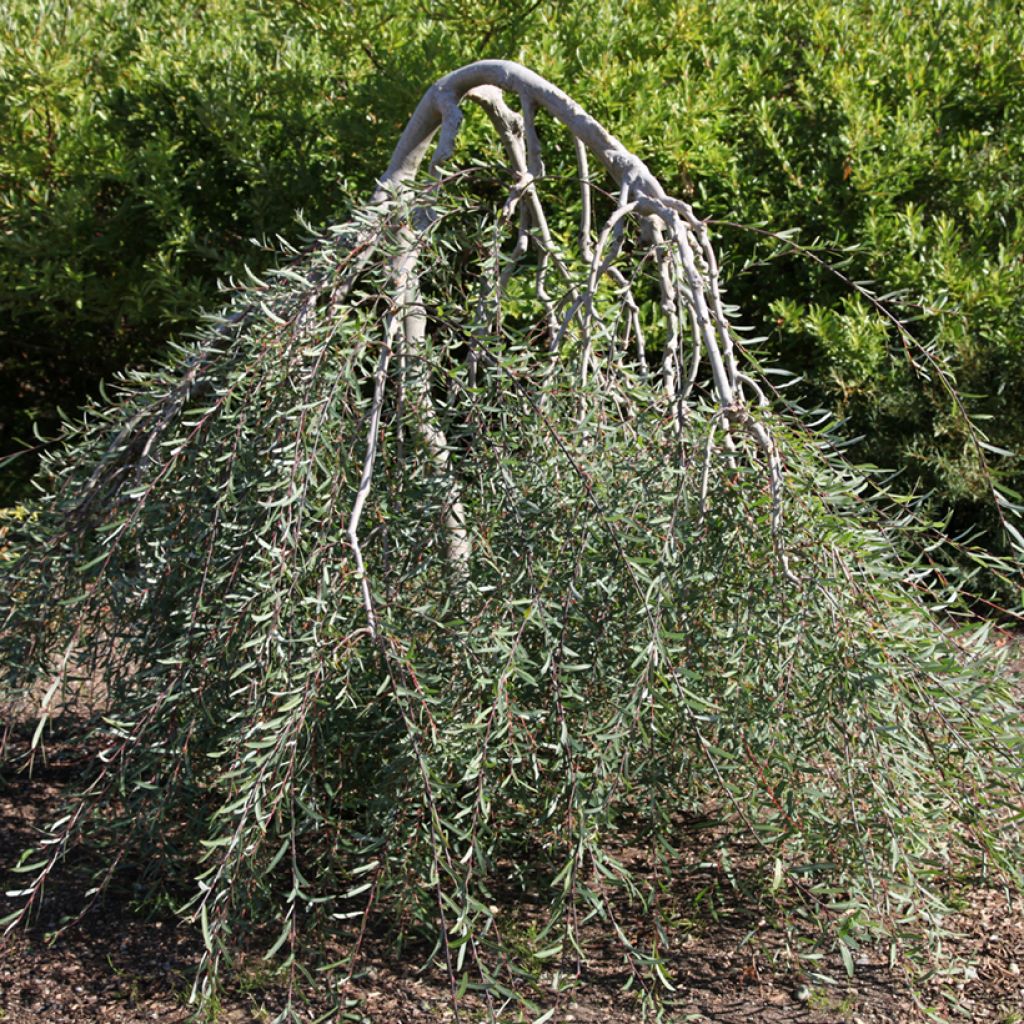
(449, 562)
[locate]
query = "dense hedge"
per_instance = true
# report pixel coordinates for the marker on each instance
(144, 144)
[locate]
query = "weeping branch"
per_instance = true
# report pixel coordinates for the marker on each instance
(677, 238)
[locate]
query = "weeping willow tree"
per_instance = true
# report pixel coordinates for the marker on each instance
(463, 552)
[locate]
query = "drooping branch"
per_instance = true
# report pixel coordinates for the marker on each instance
(483, 82)
(441, 102)
(676, 238)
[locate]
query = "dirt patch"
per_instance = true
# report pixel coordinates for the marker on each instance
(119, 967)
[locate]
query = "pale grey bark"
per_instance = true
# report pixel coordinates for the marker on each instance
(676, 239)
(483, 83)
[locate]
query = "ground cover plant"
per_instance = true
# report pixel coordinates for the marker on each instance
(471, 544)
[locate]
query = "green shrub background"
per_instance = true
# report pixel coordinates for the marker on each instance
(143, 144)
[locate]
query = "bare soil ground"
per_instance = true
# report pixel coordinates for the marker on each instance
(120, 966)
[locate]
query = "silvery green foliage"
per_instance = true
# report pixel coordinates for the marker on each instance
(438, 570)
